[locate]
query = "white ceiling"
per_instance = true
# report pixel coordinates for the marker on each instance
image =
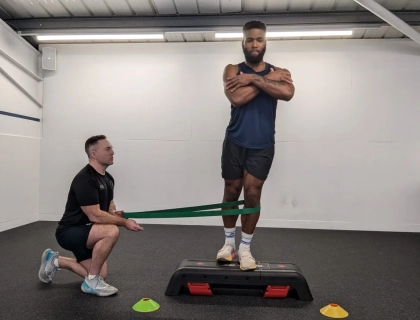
(31, 9)
(96, 8)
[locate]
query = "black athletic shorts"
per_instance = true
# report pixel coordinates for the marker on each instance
(74, 239)
(236, 159)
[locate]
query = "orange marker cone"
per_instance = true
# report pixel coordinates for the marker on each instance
(333, 310)
(146, 305)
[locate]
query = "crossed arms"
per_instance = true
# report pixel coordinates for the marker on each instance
(242, 88)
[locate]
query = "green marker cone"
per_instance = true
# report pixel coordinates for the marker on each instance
(146, 305)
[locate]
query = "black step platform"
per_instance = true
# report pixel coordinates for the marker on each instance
(273, 278)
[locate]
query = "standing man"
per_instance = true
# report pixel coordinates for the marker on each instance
(89, 226)
(253, 88)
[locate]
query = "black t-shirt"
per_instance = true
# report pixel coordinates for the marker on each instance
(87, 188)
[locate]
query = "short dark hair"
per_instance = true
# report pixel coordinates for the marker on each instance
(93, 141)
(254, 25)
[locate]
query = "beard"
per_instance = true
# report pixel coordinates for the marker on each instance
(253, 59)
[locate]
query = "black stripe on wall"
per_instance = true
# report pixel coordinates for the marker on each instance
(4, 113)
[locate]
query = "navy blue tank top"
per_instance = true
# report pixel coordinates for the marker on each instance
(252, 125)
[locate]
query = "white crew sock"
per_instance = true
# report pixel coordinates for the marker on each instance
(91, 276)
(245, 241)
(56, 263)
(230, 236)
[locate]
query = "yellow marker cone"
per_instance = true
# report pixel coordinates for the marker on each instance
(334, 311)
(146, 305)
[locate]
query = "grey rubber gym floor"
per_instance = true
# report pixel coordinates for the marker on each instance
(373, 275)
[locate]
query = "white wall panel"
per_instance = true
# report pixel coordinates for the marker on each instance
(162, 105)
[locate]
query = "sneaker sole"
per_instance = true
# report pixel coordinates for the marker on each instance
(42, 268)
(253, 267)
(226, 259)
(248, 269)
(100, 294)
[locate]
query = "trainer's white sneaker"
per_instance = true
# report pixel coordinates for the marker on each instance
(48, 268)
(98, 286)
(227, 253)
(246, 260)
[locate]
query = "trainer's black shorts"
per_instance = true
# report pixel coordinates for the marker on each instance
(74, 239)
(236, 159)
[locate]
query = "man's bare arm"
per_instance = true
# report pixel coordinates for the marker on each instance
(241, 95)
(275, 84)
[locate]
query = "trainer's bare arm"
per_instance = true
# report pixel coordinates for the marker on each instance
(112, 207)
(96, 215)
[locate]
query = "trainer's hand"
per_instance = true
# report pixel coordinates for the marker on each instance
(119, 213)
(280, 75)
(132, 225)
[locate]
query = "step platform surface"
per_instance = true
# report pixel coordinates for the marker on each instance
(275, 279)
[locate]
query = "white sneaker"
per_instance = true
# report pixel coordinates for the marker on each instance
(98, 286)
(227, 253)
(246, 260)
(48, 268)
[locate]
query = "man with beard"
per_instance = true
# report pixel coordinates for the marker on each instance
(89, 226)
(253, 88)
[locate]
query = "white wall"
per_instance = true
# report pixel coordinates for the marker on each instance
(19, 138)
(347, 152)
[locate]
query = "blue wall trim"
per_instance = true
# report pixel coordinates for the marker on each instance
(4, 113)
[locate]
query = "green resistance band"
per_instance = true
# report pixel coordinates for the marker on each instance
(199, 211)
